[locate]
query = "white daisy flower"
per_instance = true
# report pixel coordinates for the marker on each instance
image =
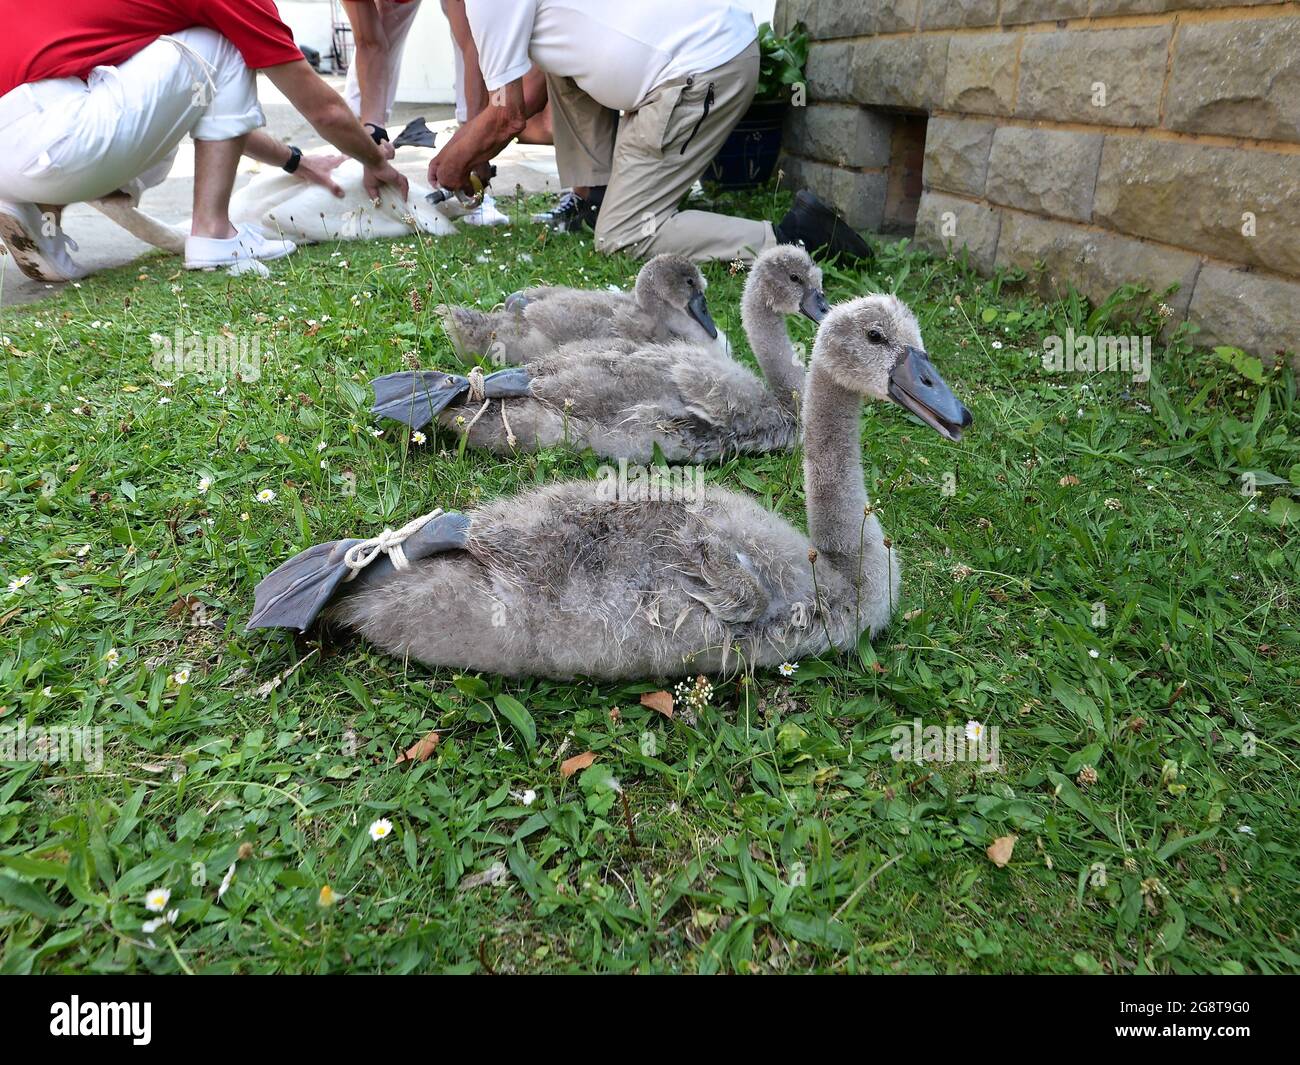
(376, 433)
(266, 496)
(1093, 652)
(226, 880)
(150, 927)
(322, 446)
(157, 899)
(996, 345)
(526, 797)
(205, 483)
(974, 731)
(112, 657)
(418, 437)
(20, 582)
(380, 829)
(787, 669)
(164, 400)
(181, 677)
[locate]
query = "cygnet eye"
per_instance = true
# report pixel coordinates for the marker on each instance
(875, 336)
(796, 279)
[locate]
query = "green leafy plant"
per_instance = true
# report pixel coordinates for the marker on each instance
(781, 64)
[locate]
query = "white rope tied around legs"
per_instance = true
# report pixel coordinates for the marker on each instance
(477, 386)
(478, 392)
(390, 541)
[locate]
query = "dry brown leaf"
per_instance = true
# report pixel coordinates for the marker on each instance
(183, 607)
(1000, 849)
(1068, 481)
(421, 750)
(9, 615)
(579, 761)
(661, 701)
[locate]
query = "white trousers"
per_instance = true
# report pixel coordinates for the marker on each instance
(65, 140)
(396, 20)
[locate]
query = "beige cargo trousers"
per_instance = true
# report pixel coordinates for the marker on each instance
(650, 157)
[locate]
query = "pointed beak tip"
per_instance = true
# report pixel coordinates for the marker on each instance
(814, 306)
(916, 386)
(698, 308)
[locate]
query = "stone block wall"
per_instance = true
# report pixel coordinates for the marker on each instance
(1090, 142)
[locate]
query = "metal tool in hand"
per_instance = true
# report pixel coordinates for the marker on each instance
(467, 200)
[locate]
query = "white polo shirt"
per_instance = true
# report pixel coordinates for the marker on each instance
(616, 50)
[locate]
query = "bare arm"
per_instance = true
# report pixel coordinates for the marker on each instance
(481, 138)
(330, 116)
(261, 146)
(476, 94)
(538, 130)
(311, 168)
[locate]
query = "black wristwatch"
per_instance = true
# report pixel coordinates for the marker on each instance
(295, 157)
(377, 132)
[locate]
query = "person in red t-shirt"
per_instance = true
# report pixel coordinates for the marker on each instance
(95, 96)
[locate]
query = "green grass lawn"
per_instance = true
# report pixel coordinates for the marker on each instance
(1082, 571)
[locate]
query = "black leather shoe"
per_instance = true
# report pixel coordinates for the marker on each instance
(572, 212)
(813, 224)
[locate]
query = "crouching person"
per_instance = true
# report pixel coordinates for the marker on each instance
(642, 96)
(96, 95)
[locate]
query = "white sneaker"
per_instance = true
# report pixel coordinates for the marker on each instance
(249, 242)
(37, 243)
(486, 214)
